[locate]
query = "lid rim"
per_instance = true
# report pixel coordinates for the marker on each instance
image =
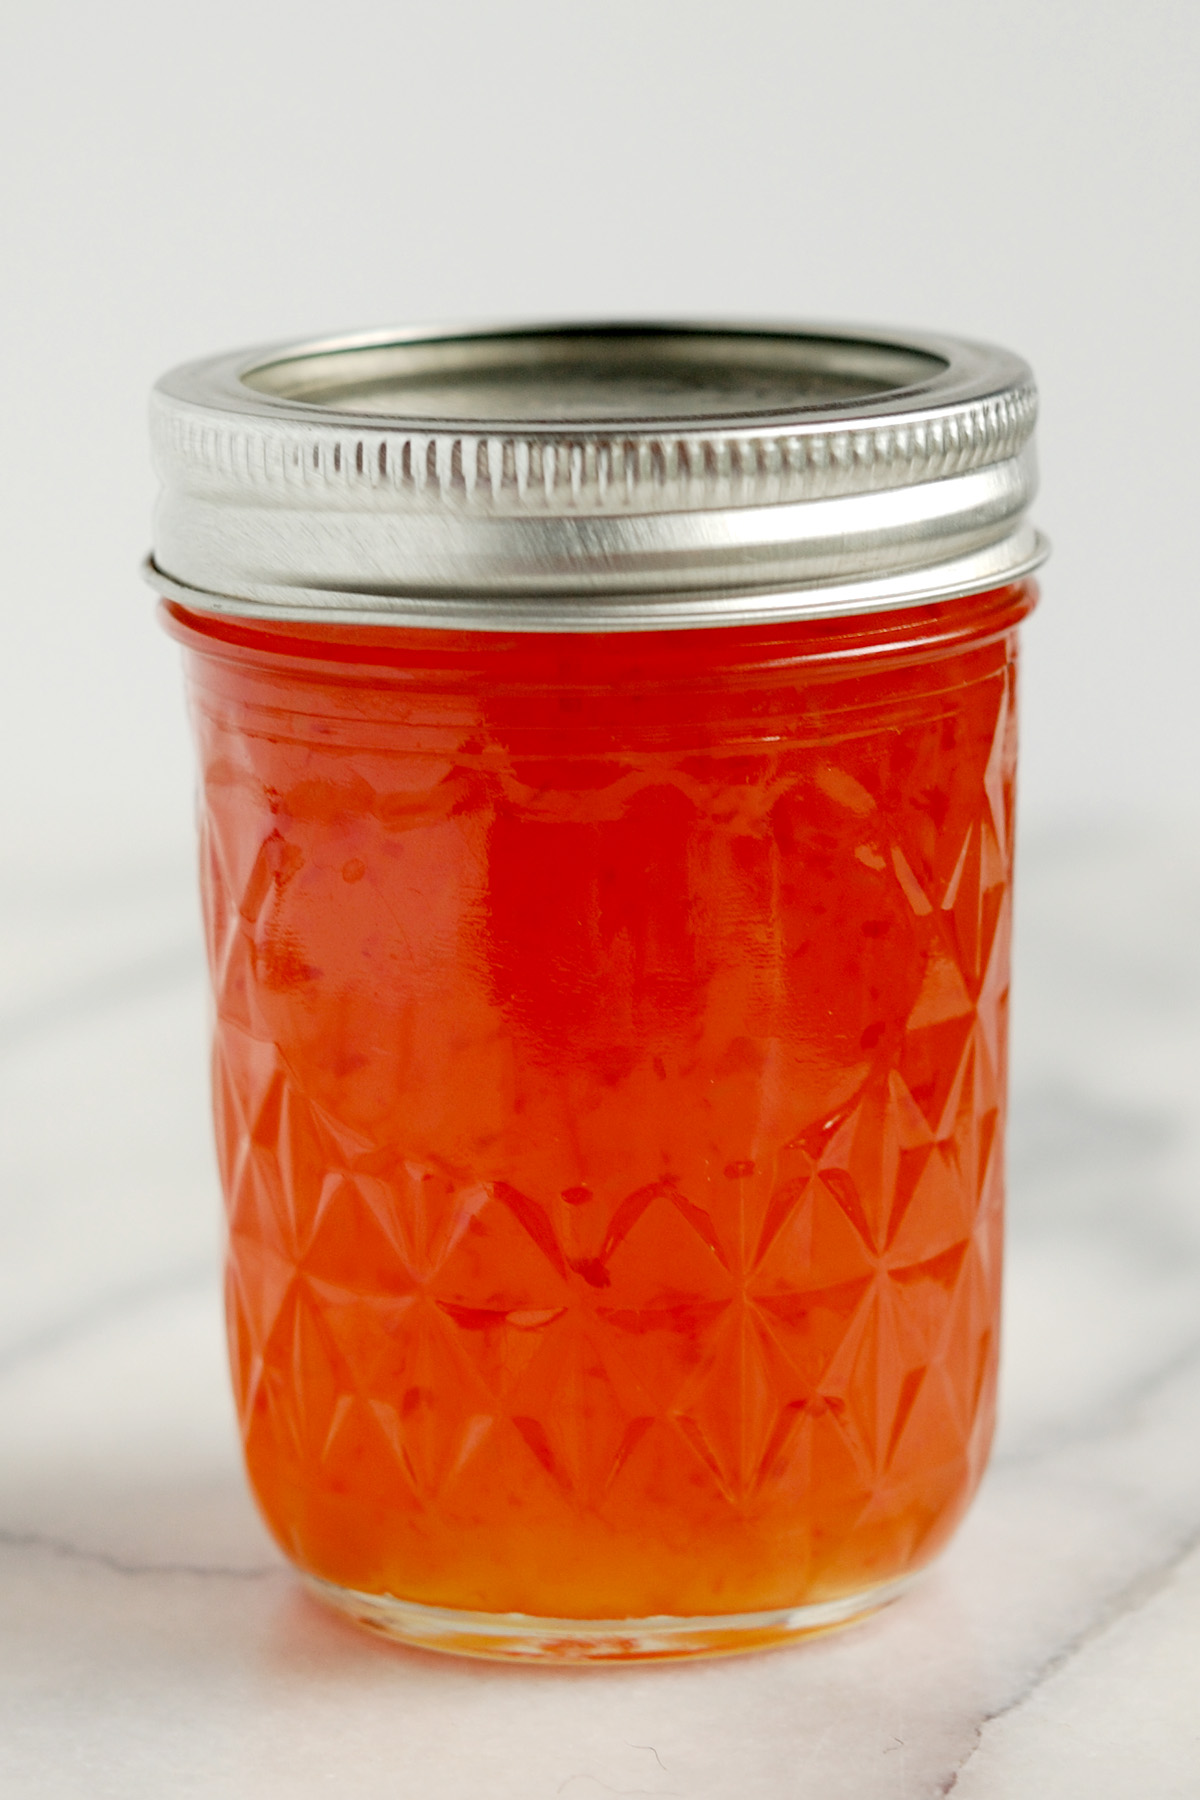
(218, 383)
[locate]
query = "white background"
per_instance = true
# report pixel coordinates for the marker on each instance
(180, 179)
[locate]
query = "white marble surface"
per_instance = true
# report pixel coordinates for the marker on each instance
(152, 1643)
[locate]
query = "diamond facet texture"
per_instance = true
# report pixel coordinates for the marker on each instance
(611, 1140)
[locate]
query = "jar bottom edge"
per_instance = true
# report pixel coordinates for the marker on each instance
(529, 1638)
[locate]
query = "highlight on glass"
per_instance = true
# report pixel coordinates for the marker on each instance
(607, 740)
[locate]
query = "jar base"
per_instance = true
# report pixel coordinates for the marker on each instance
(528, 1637)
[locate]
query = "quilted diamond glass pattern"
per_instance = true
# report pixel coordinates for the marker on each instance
(609, 1087)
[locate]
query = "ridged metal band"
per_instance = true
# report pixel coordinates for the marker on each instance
(278, 502)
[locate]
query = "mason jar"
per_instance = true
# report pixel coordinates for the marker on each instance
(607, 740)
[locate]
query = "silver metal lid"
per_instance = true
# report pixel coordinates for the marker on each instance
(593, 477)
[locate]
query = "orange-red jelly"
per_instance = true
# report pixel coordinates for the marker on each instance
(609, 1068)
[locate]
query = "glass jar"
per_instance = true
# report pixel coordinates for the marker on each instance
(607, 739)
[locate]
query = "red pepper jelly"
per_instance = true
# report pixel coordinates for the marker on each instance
(610, 957)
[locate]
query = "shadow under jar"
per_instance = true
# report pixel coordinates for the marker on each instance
(607, 739)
